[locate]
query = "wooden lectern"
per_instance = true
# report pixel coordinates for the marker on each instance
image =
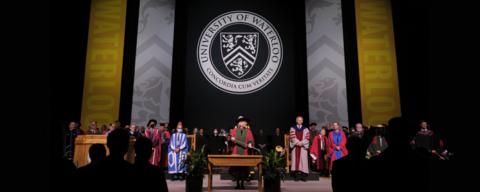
(235, 160)
(84, 142)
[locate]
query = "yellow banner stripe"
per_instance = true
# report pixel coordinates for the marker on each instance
(103, 68)
(379, 92)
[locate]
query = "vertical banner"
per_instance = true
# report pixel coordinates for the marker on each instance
(327, 93)
(377, 61)
(103, 68)
(153, 63)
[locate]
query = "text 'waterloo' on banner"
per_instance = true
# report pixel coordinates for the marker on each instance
(380, 97)
(103, 68)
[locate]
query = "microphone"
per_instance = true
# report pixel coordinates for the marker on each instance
(241, 132)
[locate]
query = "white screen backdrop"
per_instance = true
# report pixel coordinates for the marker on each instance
(153, 65)
(327, 93)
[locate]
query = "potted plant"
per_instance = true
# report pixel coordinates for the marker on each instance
(273, 169)
(197, 167)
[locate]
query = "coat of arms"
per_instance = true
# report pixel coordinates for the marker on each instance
(239, 51)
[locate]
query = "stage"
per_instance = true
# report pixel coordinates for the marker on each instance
(322, 185)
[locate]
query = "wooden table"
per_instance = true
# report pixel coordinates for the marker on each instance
(235, 160)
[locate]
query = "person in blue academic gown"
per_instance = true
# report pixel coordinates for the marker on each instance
(177, 151)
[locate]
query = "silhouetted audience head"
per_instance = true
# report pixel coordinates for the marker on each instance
(117, 142)
(143, 148)
(97, 152)
(400, 131)
(353, 144)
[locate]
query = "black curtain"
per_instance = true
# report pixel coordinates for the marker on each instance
(128, 67)
(351, 63)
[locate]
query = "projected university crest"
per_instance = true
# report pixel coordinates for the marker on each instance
(239, 52)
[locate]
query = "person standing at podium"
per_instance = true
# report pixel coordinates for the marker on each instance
(93, 130)
(133, 130)
(245, 136)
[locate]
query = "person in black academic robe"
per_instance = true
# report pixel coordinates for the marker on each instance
(141, 133)
(201, 140)
(69, 140)
(431, 142)
(328, 129)
(345, 130)
(261, 142)
(278, 140)
(215, 143)
(426, 138)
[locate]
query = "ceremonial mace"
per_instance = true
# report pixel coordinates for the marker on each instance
(241, 142)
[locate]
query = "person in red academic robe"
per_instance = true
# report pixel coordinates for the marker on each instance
(336, 144)
(244, 135)
(299, 141)
(317, 151)
(93, 131)
(154, 136)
